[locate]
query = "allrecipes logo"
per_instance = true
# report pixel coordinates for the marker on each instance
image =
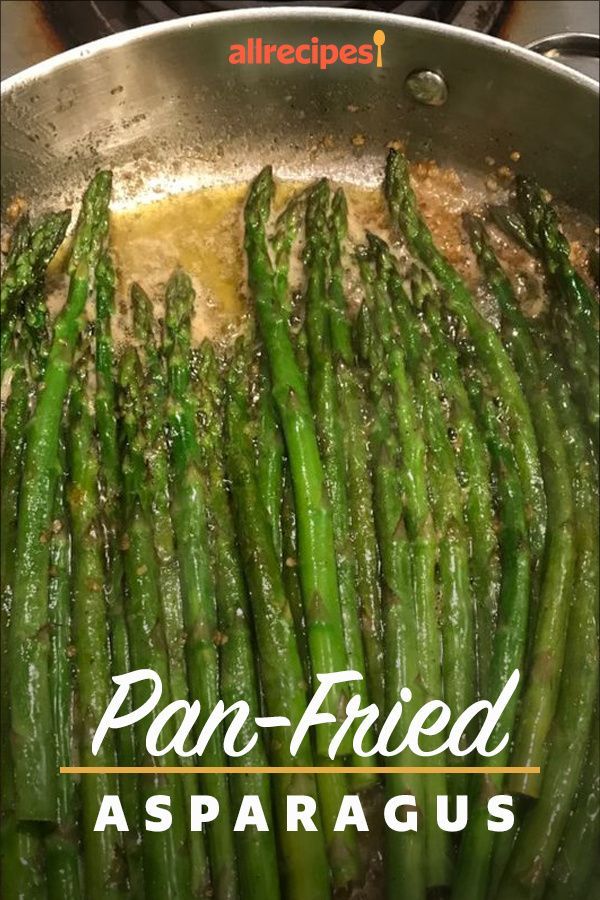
(255, 52)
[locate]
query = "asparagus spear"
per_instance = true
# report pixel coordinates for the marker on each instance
(315, 531)
(493, 355)
(15, 420)
(92, 224)
(35, 763)
(270, 453)
(32, 250)
(339, 322)
(542, 827)
(24, 307)
(165, 860)
(189, 514)
(571, 871)
(458, 639)
(353, 415)
(342, 848)
(21, 844)
(420, 531)
(544, 232)
(289, 532)
(538, 840)
(301, 351)
(289, 537)
(269, 439)
(104, 874)
(573, 310)
(25, 842)
(259, 874)
(20, 240)
(473, 465)
(157, 461)
(330, 434)
(289, 571)
(144, 326)
(110, 478)
(405, 868)
(22, 856)
(302, 853)
(547, 647)
(19, 245)
(538, 837)
(352, 408)
(510, 222)
(26, 875)
(270, 447)
(477, 845)
(286, 230)
(62, 851)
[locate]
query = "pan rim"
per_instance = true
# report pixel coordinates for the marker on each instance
(203, 20)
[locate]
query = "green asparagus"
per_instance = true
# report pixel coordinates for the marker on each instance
(256, 850)
(104, 872)
(159, 497)
(543, 826)
(21, 844)
(315, 530)
(330, 435)
(165, 860)
(110, 479)
(420, 530)
(570, 874)
(303, 859)
(35, 763)
(550, 628)
(473, 468)
(403, 209)
(62, 851)
(508, 648)
(458, 639)
(190, 526)
(352, 410)
(573, 309)
(32, 250)
(405, 866)
(406, 487)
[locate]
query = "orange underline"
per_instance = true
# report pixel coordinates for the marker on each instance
(299, 770)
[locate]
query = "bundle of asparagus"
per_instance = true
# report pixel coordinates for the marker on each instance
(407, 491)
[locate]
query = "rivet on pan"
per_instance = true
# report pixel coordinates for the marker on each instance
(427, 87)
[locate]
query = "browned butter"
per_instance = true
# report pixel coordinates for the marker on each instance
(203, 232)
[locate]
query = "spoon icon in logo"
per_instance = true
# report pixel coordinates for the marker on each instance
(379, 41)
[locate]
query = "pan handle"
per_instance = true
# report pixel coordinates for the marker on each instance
(567, 44)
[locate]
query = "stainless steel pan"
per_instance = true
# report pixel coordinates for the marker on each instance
(163, 106)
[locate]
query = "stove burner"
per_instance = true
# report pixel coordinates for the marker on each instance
(86, 20)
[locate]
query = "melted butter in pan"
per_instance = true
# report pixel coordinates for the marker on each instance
(202, 231)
